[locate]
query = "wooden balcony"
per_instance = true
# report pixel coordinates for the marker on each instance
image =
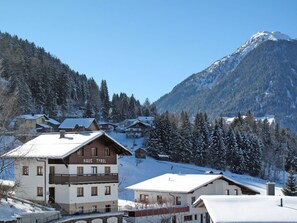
(156, 211)
(83, 178)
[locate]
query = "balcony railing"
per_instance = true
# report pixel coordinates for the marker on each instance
(83, 178)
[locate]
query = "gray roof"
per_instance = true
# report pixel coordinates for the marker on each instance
(70, 123)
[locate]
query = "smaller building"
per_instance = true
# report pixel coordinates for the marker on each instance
(140, 153)
(36, 123)
(79, 124)
(146, 119)
(107, 126)
(137, 129)
(253, 209)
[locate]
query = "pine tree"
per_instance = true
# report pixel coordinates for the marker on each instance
(217, 150)
(290, 189)
(234, 154)
(186, 137)
(200, 140)
(104, 96)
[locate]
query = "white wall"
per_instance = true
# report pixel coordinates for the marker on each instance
(87, 193)
(29, 183)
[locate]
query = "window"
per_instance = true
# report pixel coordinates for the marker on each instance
(188, 218)
(106, 151)
(25, 170)
(159, 199)
(107, 170)
(94, 169)
(39, 170)
(80, 192)
(196, 217)
(39, 191)
(107, 208)
(80, 152)
(193, 199)
(107, 190)
(144, 198)
(81, 210)
(227, 192)
(94, 191)
(177, 200)
(80, 170)
(94, 151)
(94, 208)
(236, 191)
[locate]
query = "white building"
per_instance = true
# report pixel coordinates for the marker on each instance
(169, 197)
(76, 171)
(253, 209)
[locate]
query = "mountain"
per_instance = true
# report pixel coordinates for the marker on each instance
(259, 76)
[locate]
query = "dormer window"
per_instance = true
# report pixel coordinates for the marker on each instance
(106, 151)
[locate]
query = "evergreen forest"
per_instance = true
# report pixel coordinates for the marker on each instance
(246, 146)
(41, 83)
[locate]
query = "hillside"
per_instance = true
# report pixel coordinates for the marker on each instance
(260, 76)
(43, 83)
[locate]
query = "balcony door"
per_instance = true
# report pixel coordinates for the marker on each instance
(52, 170)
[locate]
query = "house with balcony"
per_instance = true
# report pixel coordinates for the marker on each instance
(77, 172)
(169, 197)
(137, 129)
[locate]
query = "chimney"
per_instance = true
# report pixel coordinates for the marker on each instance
(62, 134)
(270, 188)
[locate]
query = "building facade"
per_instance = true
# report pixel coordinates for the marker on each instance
(77, 172)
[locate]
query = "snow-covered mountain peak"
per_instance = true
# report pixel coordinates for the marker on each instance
(270, 36)
(259, 38)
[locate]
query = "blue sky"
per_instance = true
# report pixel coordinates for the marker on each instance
(144, 47)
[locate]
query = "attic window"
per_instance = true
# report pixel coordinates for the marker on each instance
(80, 152)
(106, 151)
(94, 151)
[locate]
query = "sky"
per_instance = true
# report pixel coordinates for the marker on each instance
(143, 47)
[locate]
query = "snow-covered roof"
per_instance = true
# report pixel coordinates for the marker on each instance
(180, 183)
(225, 209)
(8, 183)
(145, 118)
(50, 145)
(70, 123)
(31, 116)
(45, 126)
(53, 121)
(138, 122)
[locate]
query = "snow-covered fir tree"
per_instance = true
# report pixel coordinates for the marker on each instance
(290, 188)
